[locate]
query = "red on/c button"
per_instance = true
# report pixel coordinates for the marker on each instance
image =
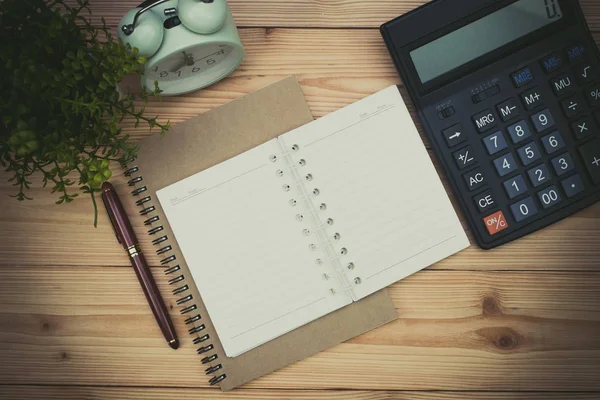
(495, 223)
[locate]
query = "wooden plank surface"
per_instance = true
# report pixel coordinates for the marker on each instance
(311, 13)
(107, 393)
(518, 322)
(456, 329)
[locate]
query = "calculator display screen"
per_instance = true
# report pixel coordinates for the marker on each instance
(483, 36)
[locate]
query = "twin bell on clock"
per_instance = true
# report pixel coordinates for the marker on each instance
(190, 44)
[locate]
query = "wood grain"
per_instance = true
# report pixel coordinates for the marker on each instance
(514, 323)
(311, 13)
(456, 329)
(107, 393)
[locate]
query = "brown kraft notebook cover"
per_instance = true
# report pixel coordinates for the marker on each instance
(198, 144)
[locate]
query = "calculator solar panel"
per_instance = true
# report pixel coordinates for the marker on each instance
(508, 93)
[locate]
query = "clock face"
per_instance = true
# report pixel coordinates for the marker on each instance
(190, 63)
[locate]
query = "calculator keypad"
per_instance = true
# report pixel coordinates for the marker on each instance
(522, 156)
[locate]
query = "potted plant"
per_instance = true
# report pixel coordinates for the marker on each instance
(60, 110)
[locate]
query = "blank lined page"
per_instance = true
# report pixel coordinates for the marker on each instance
(245, 249)
(386, 205)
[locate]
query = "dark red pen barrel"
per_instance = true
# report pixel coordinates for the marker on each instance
(156, 302)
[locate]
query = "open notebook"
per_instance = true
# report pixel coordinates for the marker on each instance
(311, 221)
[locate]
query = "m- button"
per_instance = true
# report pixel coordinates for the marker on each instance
(508, 110)
(485, 121)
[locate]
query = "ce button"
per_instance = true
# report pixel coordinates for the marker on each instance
(485, 201)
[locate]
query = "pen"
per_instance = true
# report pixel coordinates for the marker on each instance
(126, 236)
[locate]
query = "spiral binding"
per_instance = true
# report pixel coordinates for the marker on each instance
(305, 195)
(176, 277)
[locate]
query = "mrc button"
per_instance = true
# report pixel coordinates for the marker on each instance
(485, 120)
(522, 77)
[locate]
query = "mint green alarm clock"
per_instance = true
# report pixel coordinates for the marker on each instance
(190, 44)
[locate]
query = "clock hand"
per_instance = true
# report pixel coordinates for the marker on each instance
(188, 59)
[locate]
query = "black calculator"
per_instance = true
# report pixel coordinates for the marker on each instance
(508, 93)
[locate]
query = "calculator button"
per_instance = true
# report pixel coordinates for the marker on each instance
(515, 187)
(584, 127)
(522, 77)
(592, 95)
(585, 73)
(549, 197)
(553, 142)
(543, 120)
(474, 179)
(572, 106)
(495, 143)
(485, 120)
(539, 175)
(573, 186)
(508, 110)
(575, 52)
(563, 164)
(562, 84)
(524, 209)
(519, 131)
(454, 135)
(485, 201)
(495, 223)
(590, 152)
(552, 63)
(505, 164)
(529, 154)
(532, 98)
(464, 158)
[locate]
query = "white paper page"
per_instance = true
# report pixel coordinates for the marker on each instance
(387, 203)
(246, 251)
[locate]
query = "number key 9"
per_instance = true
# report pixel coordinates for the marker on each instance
(543, 120)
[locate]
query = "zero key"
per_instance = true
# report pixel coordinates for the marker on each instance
(590, 152)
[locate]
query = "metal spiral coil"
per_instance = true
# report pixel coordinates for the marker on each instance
(301, 177)
(147, 209)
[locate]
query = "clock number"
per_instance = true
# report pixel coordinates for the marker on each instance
(179, 74)
(164, 74)
(196, 69)
(551, 9)
(210, 61)
(155, 70)
(222, 51)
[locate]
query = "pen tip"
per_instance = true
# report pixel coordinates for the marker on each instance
(107, 186)
(174, 344)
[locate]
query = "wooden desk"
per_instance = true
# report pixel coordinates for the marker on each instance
(519, 322)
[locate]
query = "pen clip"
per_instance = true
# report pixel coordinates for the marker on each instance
(111, 217)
